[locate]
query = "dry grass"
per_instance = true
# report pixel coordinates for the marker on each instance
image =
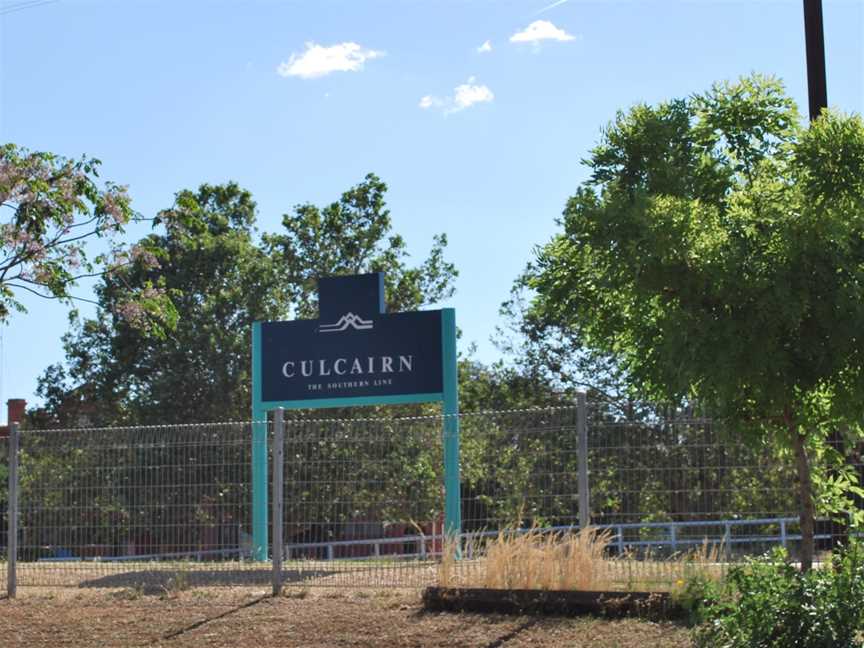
(95, 618)
(169, 577)
(538, 559)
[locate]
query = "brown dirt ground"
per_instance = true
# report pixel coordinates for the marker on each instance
(223, 617)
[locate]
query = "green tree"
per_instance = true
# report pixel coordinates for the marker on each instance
(351, 236)
(220, 279)
(544, 353)
(502, 387)
(717, 253)
(121, 370)
(52, 208)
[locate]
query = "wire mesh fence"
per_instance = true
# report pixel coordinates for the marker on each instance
(671, 482)
(364, 502)
(126, 506)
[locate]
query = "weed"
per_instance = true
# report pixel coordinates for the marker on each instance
(178, 582)
(203, 594)
(333, 594)
(696, 595)
(295, 592)
(132, 593)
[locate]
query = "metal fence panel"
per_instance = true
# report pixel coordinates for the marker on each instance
(128, 506)
(363, 501)
(689, 471)
(364, 498)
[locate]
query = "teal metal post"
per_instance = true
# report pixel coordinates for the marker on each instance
(452, 482)
(259, 453)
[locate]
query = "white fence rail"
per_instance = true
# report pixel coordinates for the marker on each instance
(672, 538)
(428, 546)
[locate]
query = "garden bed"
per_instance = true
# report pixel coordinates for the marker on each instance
(655, 605)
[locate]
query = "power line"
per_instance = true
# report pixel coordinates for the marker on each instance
(20, 6)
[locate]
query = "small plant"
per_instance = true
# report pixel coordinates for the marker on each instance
(295, 592)
(129, 593)
(454, 570)
(177, 583)
(334, 594)
(203, 594)
(699, 584)
(769, 602)
(696, 595)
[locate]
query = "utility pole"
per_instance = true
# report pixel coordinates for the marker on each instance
(817, 86)
(817, 94)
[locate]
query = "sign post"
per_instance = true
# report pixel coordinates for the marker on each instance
(354, 354)
(452, 480)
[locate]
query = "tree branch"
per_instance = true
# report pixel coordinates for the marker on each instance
(72, 279)
(38, 294)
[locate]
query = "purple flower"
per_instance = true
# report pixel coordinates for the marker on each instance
(132, 312)
(145, 257)
(114, 202)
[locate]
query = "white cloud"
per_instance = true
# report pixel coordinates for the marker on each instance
(540, 30)
(469, 94)
(464, 96)
(429, 102)
(317, 60)
(485, 47)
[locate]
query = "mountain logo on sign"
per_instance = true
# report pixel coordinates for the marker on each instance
(349, 319)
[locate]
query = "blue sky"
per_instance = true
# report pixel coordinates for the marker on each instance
(482, 145)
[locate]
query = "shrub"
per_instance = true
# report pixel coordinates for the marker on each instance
(696, 595)
(770, 604)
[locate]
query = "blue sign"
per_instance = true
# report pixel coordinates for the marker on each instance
(354, 354)
(354, 349)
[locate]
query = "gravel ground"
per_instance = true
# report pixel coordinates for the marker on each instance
(223, 617)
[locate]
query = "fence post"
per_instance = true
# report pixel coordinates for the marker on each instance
(582, 431)
(259, 453)
(278, 491)
(450, 393)
(12, 515)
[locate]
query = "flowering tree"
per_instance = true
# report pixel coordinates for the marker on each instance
(220, 277)
(51, 208)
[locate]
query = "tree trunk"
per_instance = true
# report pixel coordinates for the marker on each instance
(806, 508)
